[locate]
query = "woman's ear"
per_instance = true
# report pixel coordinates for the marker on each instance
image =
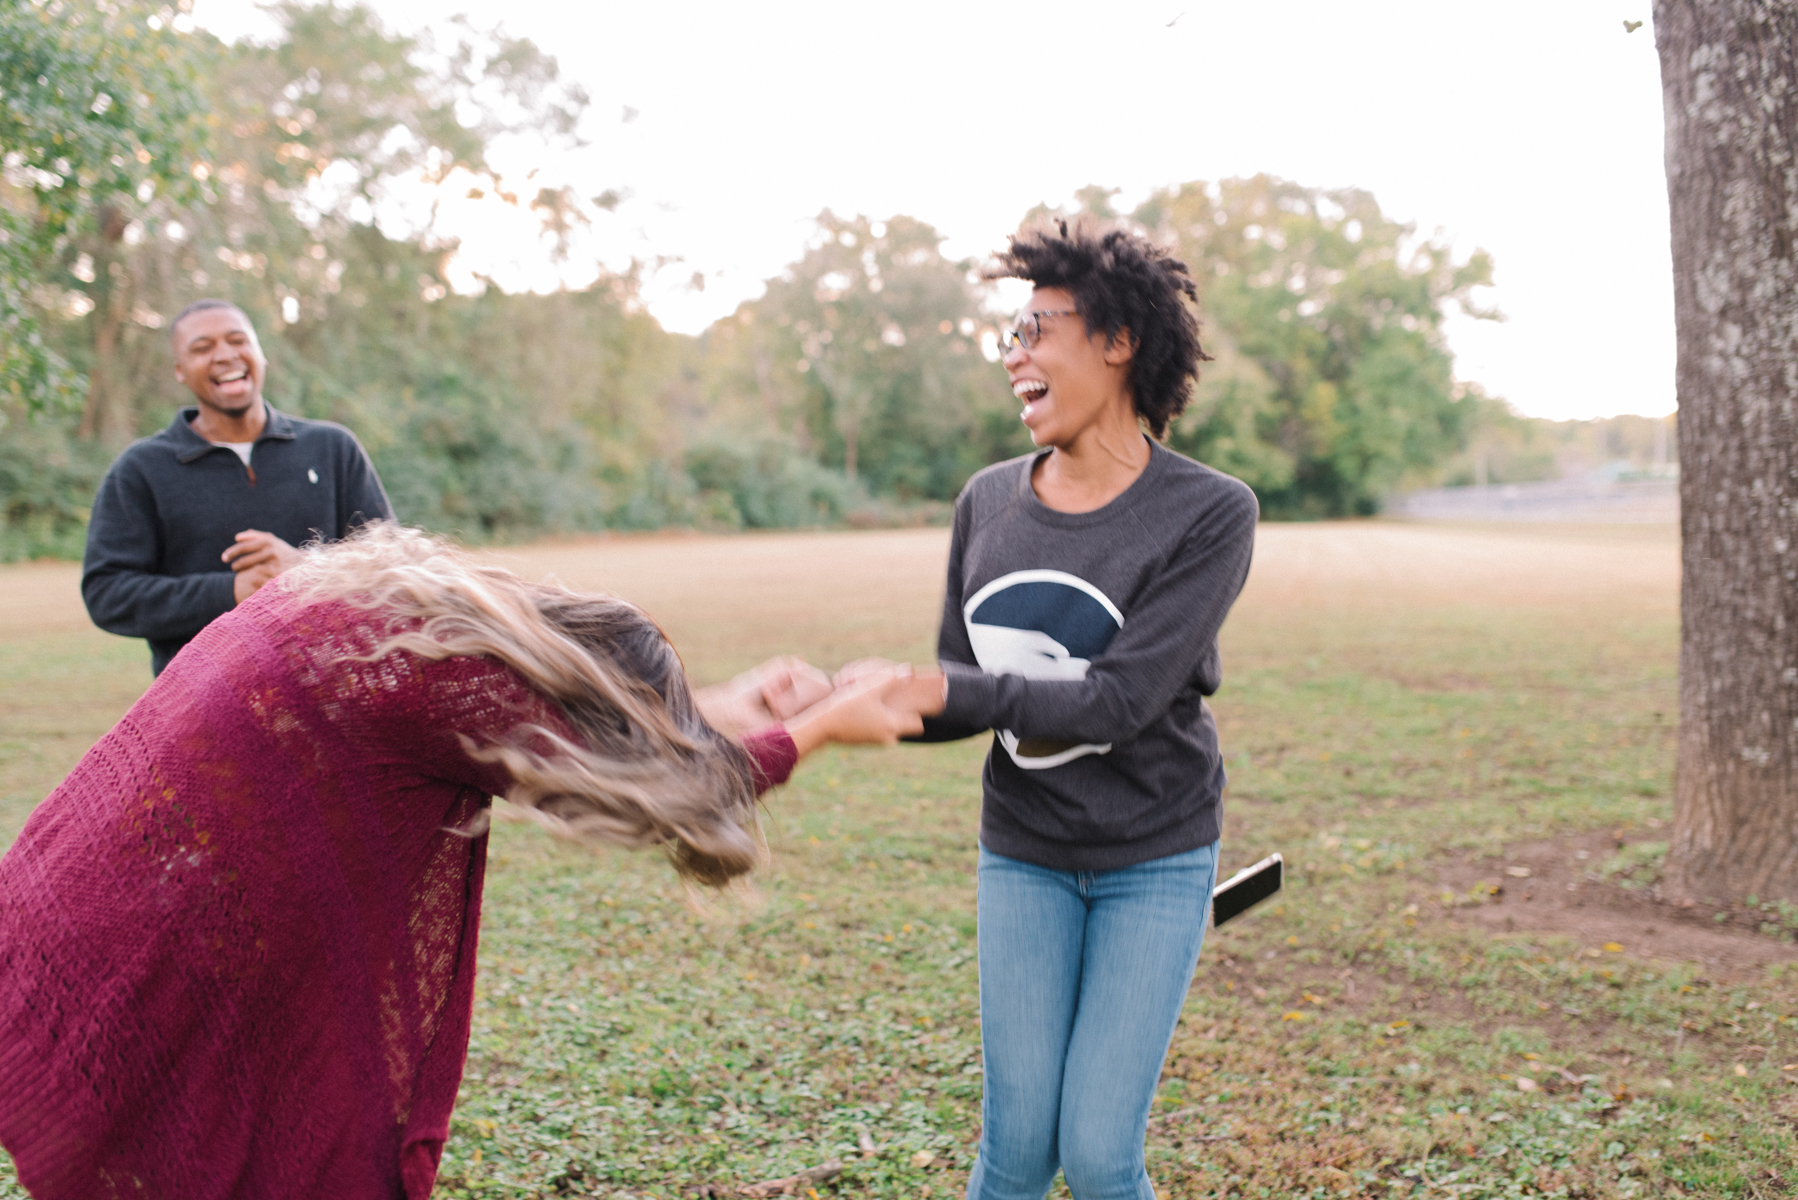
(1120, 348)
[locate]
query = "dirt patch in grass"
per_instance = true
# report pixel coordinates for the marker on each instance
(1565, 892)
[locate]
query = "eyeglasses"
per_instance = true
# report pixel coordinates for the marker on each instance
(1029, 330)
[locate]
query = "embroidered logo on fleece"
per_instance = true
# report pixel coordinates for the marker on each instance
(1041, 625)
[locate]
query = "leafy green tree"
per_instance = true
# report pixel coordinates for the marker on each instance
(765, 484)
(100, 111)
(858, 378)
(310, 136)
(495, 416)
(1334, 381)
(866, 353)
(492, 416)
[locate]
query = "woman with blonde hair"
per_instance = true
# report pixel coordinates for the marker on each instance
(237, 944)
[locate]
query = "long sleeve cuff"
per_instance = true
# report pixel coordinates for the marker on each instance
(972, 696)
(219, 597)
(772, 756)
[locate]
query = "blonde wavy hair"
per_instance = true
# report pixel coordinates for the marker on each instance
(646, 771)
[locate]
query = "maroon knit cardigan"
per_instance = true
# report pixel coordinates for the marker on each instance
(237, 944)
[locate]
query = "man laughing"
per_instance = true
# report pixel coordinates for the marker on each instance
(190, 522)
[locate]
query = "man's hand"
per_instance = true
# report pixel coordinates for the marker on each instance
(257, 557)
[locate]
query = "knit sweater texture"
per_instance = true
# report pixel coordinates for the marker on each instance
(1088, 642)
(237, 943)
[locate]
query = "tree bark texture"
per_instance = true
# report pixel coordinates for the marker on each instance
(1729, 78)
(109, 415)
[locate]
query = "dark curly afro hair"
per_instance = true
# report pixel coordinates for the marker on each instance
(1121, 282)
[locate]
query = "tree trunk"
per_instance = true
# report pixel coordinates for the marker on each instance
(109, 415)
(1729, 76)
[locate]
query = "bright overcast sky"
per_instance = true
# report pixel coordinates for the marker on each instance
(1530, 129)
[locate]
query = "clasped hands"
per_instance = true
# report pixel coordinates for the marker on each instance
(870, 701)
(257, 557)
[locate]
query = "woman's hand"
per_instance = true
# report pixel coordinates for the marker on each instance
(925, 695)
(790, 685)
(878, 708)
(777, 689)
(922, 692)
(862, 668)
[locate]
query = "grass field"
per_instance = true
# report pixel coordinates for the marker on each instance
(1461, 739)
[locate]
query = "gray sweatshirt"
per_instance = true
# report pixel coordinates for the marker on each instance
(1087, 642)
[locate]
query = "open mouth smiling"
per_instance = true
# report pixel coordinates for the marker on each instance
(1028, 390)
(233, 385)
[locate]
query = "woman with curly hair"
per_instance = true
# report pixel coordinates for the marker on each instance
(237, 943)
(1087, 583)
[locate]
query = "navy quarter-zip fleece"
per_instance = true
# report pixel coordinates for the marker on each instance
(171, 504)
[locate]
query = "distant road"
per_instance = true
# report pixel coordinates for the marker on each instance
(1650, 502)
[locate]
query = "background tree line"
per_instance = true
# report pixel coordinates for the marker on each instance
(145, 167)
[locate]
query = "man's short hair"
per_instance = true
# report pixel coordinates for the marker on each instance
(1121, 281)
(202, 306)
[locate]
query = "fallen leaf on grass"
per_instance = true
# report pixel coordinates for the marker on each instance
(1518, 872)
(1614, 947)
(922, 1159)
(1295, 1015)
(1741, 1070)
(1525, 1084)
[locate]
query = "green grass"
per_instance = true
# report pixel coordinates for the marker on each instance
(1354, 1038)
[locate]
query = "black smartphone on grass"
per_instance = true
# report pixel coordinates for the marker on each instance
(1245, 889)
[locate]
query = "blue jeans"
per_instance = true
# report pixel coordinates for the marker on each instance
(1082, 978)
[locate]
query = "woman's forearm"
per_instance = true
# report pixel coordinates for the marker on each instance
(877, 709)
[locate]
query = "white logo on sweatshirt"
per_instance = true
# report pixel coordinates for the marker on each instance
(1040, 625)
